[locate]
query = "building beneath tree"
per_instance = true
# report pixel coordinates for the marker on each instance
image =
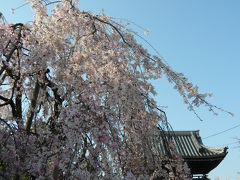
(200, 159)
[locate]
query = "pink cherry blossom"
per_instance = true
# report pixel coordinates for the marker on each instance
(76, 100)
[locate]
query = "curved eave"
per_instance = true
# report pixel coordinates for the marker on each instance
(215, 156)
(203, 165)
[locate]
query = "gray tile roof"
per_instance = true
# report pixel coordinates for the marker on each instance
(189, 145)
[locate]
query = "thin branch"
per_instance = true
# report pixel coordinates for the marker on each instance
(11, 129)
(110, 24)
(71, 161)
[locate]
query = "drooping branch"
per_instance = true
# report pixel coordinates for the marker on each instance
(32, 107)
(10, 102)
(53, 86)
(15, 46)
(111, 25)
(8, 57)
(71, 161)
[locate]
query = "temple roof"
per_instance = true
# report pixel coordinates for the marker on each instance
(189, 145)
(200, 159)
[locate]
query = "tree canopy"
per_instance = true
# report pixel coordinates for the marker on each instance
(76, 100)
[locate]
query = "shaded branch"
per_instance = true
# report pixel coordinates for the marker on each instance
(32, 107)
(58, 99)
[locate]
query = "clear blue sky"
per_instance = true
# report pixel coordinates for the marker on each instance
(200, 39)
